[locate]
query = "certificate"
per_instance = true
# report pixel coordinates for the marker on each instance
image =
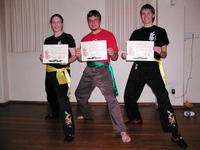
(94, 50)
(55, 53)
(140, 51)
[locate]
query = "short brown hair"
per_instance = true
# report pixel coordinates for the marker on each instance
(93, 13)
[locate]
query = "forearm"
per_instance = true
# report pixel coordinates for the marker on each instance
(72, 59)
(163, 53)
(73, 55)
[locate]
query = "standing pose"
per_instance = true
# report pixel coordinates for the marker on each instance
(98, 73)
(148, 72)
(58, 91)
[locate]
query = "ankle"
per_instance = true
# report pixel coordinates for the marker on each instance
(176, 134)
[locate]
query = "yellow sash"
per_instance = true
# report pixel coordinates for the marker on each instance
(62, 76)
(161, 68)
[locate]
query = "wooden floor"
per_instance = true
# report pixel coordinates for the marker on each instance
(22, 127)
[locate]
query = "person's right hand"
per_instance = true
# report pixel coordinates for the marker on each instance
(41, 57)
(123, 55)
(78, 53)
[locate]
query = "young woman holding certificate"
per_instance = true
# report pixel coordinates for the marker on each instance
(150, 72)
(99, 73)
(57, 82)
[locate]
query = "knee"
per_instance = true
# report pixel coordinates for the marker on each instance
(129, 98)
(128, 95)
(77, 93)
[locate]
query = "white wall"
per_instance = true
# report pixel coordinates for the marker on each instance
(26, 77)
(26, 74)
(172, 19)
(192, 51)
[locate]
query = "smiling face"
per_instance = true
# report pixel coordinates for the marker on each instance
(94, 23)
(56, 24)
(147, 17)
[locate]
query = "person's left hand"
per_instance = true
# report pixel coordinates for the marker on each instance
(110, 52)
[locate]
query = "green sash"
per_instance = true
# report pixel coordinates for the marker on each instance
(98, 64)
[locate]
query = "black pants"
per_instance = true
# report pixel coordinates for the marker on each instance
(148, 72)
(59, 102)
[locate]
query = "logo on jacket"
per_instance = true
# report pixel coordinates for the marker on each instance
(152, 36)
(59, 42)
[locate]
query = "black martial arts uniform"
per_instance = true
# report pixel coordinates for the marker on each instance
(147, 72)
(57, 94)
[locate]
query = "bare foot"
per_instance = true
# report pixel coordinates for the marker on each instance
(80, 117)
(187, 104)
(125, 137)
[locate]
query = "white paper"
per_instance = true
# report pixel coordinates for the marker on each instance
(55, 53)
(94, 50)
(140, 51)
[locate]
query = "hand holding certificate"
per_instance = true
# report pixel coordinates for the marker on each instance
(140, 51)
(94, 50)
(55, 54)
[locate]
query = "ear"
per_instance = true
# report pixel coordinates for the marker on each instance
(153, 19)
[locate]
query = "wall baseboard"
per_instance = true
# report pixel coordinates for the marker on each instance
(91, 103)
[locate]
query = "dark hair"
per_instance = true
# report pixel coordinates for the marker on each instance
(148, 6)
(93, 13)
(56, 15)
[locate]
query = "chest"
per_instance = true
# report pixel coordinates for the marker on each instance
(146, 35)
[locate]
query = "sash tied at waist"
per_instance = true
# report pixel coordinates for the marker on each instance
(62, 76)
(161, 68)
(98, 64)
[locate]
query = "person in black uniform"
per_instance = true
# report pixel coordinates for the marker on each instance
(143, 72)
(58, 93)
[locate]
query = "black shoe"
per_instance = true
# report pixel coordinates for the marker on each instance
(133, 122)
(68, 138)
(50, 117)
(179, 140)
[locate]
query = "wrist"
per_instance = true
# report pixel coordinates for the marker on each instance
(162, 54)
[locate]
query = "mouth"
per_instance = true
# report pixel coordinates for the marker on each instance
(93, 29)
